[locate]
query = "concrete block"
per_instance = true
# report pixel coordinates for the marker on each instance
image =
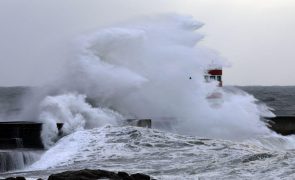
(139, 122)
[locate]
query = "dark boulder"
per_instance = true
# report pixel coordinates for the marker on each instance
(88, 174)
(140, 176)
(124, 175)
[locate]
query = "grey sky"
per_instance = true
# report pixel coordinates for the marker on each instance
(256, 36)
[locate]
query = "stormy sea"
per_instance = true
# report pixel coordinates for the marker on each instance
(150, 69)
(160, 153)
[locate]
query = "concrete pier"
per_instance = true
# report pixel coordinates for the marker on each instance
(21, 134)
(13, 159)
(284, 125)
(139, 122)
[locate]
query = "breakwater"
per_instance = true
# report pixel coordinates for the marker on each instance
(20, 144)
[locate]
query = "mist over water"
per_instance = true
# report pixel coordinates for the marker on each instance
(142, 70)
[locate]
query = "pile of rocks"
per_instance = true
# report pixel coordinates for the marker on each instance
(88, 174)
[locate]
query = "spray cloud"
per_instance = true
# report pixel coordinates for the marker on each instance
(142, 70)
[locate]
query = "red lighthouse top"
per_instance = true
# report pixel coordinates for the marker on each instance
(214, 74)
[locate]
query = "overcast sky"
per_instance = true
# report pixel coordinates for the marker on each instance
(256, 36)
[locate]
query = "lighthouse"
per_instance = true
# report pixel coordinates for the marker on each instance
(214, 74)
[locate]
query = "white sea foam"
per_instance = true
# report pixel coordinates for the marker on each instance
(75, 114)
(163, 155)
(142, 70)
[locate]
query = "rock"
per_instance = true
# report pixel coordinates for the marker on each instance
(88, 174)
(83, 174)
(20, 178)
(139, 176)
(124, 176)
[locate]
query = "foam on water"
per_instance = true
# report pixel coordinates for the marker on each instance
(163, 155)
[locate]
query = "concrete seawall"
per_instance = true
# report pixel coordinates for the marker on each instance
(21, 134)
(284, 125)
(20, 144)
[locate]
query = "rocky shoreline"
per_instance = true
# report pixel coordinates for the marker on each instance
(90, 174)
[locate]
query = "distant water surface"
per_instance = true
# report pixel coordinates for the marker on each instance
(280, 98)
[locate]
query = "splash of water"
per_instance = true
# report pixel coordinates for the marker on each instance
(142, 70)
(74, 112)
(14, 159)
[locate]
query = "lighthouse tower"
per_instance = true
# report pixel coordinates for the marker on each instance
(214, 74)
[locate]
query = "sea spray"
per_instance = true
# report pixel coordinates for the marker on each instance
(153, 69)
(74, 112)
(147, 69)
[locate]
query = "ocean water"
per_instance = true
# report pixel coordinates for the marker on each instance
(280, 98)
(152, 68)
(166, 155)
